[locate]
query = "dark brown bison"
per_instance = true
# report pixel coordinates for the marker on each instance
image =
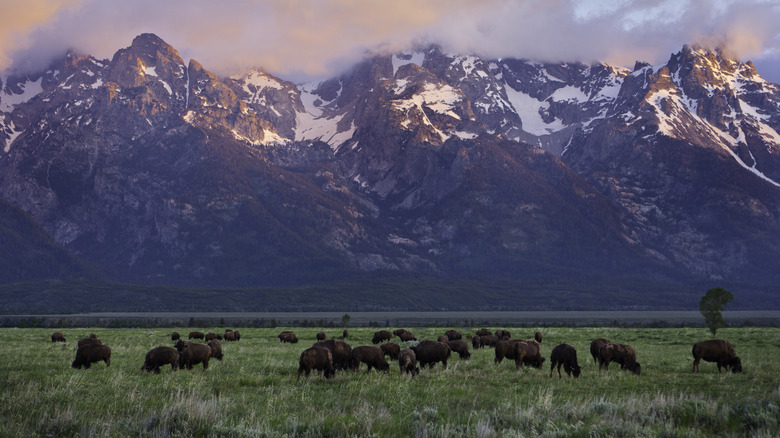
(175, 336)
(483, 332)
(288, 336)
(430, 352)
(476, 342)
(374, 357)
(88, 341)
(454, 335)
(595, 346)
(212, 336)
(528, 353)
(443, 338)
(460, 347)
(196, 335)
(344, 334)
(489, 340)
(538, 337)
(503, 334)
(159, 356)
(88, 354)
(341, 352)
(391, 349)
(719, 351)
(566, 355)
(398, 332)
(619, 353)
(407, 362)
(216, 349)
(237, 335)
(381, 336)
(316, 358)
(230, 336)
(505, 349)
(57, 337)
(191, 353)
(407, 336)
(321, 336)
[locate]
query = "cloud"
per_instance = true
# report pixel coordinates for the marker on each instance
(301, 39)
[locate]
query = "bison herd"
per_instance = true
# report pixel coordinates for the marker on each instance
(327, 356)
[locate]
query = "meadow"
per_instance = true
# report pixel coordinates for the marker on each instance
(253, 392)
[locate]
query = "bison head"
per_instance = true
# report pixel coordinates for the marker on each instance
(634, 367)
(736, 365)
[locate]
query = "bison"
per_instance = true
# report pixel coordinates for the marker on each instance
(341, 352)
(230, 336)
(619, 353)
(443, 339)
(288, 336)
(159, 356)
(528, 353)
(476, 342)
(719, 351)
(538, 337)
(212, 336)
(88, 354)
(503, 334)
(196, 335)
(391, 349)
(483, 332)
(489, 340)
(57, 337)
(216, 349)
(398, 332)
(237, 335)
(453, 335)
(191, 353)
(505, 349)
(407, 362)
(175, 336)
(89, 341)
(460, 347)
(316, 358)
(595, 346)
(430, 352)
(344, 334)
(374, 357)
(381, 336)
(566, 355)
(407, 336)
(321, 336)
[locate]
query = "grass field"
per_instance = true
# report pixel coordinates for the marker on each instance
(253, 391)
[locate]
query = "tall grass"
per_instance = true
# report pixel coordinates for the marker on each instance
(253, 391)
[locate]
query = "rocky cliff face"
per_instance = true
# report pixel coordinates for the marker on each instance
(156, 170)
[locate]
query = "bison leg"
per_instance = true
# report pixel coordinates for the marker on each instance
(206, 364)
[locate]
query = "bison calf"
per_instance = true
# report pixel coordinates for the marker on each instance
(719, 351)
(316, 358)
(88, 354)
(566, 355)
(620, 353)
(374, 357)
(407, 362)
(287, 336)
(159, 356)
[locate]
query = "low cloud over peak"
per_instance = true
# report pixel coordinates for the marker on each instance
(301, 40)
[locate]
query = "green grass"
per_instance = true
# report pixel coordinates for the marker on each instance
(253, 391)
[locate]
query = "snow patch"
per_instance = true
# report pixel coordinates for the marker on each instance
(569, 93)
(30, 89)
(529, 109)
(414, 58)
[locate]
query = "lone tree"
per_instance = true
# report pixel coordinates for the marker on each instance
(711, 305)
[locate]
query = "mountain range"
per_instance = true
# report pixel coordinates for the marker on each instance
(538, 179)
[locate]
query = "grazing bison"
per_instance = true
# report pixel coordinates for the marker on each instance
(345, 334)
(237, 335)
(230, 336)
(88, 354)
(398, 332)
(196, 335)
(483, 332)
(489, 340)
(175, 336)
(191, 353)
(212, 336)
(381, 336)
(528, 353)
(407, 362)
(316, 358)
(453, 335)
(476, 342)
(443, 338)
(216, 349)
(505, 349)
(321, 336)
(503, 334)
(460, 347)
(159, 356)
(566, 355)
(719, 351)
(289, 337)
(619, 353)
(57, 337)
(391, 349)
(430, 352)
(595, 346)
(374, 357)
(341, 352)
(407, 336)
(538, 337)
